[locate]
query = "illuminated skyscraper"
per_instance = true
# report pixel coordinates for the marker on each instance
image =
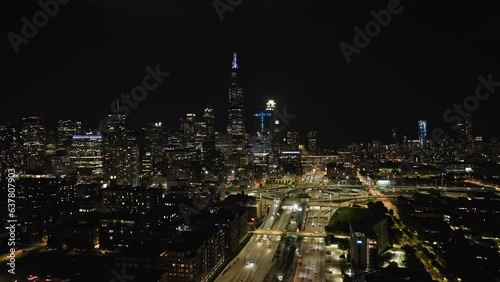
(113, 133)
(10, 148)
(422, 131)
(465, 137)
(209, 118)
(189, 124)
(292, 140)
(125, 162)
(86, 156)
(469, 138)
(151, 162)
(65, 131)
(115, 123)
(33, 135)
(264, 149)
(200, 134)
(266, 119)
(312, 145)
(236, 123)
(209, 142)
(189, 128)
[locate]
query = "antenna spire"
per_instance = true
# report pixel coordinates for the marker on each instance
(235, 63)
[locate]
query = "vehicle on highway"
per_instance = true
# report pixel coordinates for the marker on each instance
(250, 261)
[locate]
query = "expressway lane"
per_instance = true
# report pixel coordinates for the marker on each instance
(260, 249)
(312, 250)
(334, 264)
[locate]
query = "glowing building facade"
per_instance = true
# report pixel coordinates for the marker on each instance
(236, 122)
(86, 156)
(422, 131)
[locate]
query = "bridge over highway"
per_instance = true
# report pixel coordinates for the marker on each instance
(277, 232)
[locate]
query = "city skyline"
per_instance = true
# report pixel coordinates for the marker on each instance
(250, 141)
(300, 66)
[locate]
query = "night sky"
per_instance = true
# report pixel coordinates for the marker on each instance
(427, 58)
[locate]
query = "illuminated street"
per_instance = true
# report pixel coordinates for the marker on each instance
(312, 250)
(256, 258)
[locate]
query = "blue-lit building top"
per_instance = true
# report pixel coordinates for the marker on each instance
(422, 131)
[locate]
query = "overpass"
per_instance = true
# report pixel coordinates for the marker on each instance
(277, 232)
(334, 202)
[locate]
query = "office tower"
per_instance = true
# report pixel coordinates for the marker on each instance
(224, 143)
(181, 163)
(209, 150)
(175, 139)
(65, 131)
(290, 162)
(188, 128)
(236, 122)
(478, 144)
(395, 136)
(114, 122)
(264, 151)
(125, 161)
(266, 119)
(465, 137)
(51, 143)
(86, 156)
(209, 118)
(312, 145)
(113, 133)
(422, 131)
(151, 160)
(200, 135)
(189, 124)
(469, 138)
(33, 136)
(10, 149)
(292, 140)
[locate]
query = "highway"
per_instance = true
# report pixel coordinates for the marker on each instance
(4, 258)
(312, 250)
(283, 220)
(256, 259)
(334, 264)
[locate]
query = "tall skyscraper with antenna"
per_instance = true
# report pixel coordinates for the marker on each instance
(236, 121)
